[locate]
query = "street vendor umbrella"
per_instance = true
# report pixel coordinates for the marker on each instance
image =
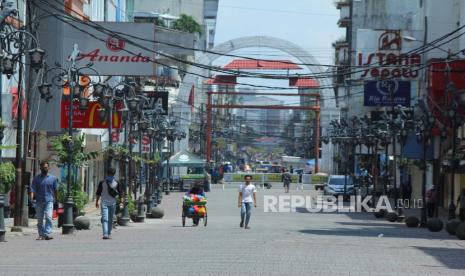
(185, 158)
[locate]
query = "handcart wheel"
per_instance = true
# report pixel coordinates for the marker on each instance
(183, 218)
(205, 218)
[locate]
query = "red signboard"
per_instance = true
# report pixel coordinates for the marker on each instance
(439, 77)
(88, 118)
(442, 74)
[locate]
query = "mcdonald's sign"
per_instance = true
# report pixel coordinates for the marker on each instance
(88, 118)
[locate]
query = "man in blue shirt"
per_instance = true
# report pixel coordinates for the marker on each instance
(43, 190)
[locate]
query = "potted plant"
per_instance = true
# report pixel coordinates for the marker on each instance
(117, 152)
(7, 179)
(79, 158)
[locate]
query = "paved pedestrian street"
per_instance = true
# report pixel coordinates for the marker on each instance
(298, 243)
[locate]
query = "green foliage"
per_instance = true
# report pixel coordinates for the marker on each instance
(79, 157)
(154, 161)
(131, 206)
(160, 22)
(187, 23)
(79, 197)
(7, 176)
(117, 152)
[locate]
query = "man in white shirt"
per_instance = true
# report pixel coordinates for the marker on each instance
(247, 196)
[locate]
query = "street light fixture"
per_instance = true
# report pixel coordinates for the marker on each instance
(69, 77)
(413, 39)
(133, 103)
(36, 56)
(99, 89)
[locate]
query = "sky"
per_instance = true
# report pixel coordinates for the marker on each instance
(311, 24)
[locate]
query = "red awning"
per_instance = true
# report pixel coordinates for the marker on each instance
(262, 65)
(304, 82)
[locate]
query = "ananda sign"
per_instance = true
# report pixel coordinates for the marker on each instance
(111, 55)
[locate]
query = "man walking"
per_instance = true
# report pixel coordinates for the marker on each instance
(108, 190)
(247, 197)
(431, 201)
(287, 178)
(43, 191)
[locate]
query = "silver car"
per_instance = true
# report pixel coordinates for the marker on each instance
(339, 185)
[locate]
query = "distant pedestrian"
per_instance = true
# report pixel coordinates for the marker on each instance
(431, 201)
(247, 197)
(108, 190)
(291, 169)
(406, 189)
(287, 179)
(43, 191)
(461, 201)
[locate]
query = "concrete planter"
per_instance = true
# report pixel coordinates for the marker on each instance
(451, 226)
(392, 217)
(121, 221)
(380, 214)
(434, 225)
(460, 231)
(82, 223)
(136, 218)
(412, 222)
(157, 212)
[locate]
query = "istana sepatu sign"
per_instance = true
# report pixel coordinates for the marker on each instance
(380, 55)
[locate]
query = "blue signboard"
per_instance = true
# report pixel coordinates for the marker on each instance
(386, 93)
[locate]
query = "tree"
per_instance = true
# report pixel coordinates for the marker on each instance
(187, 23)
(160, 22)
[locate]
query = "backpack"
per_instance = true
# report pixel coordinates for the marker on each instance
(112, 191)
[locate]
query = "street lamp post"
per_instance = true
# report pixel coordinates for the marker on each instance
(169, 138)
(456, 121)
(73, 74)
(424, 127)
(14, 45)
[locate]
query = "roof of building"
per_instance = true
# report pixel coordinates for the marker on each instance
(222, 80)
(262, 65)
(303, 82)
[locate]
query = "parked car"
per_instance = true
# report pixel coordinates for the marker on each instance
(339, 185)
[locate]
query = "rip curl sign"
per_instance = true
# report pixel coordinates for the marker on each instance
(387, 93)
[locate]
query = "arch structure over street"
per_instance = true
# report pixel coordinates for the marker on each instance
(329, 111)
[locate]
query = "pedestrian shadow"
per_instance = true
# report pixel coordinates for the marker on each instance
(397, 231)
(381, 224)
(351, 215)
(452, 258)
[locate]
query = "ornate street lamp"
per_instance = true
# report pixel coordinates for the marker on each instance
(45, 91)
(133, 103)
(99, 89)
(84, 103)
(68, 77)
(36, 57)
(143, 125)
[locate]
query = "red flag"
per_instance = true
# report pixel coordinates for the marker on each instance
(14, 103)
(191, 98)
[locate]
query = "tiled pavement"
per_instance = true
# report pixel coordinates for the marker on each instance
(298, 243)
